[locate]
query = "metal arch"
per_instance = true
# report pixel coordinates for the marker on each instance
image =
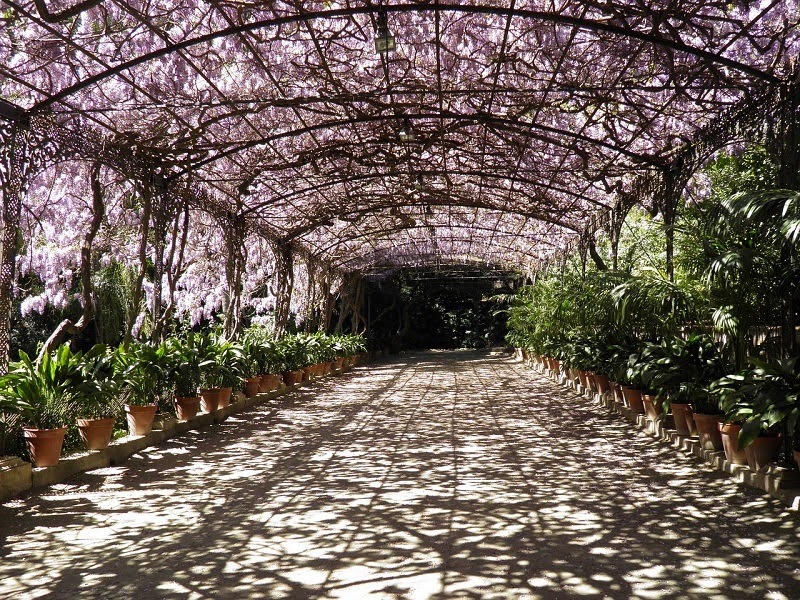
(586, 24)
(425, 173)
(367, 257)
(479, 119)
(371, 235)
(299, 232)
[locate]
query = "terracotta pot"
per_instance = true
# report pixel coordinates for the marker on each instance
(603, 385)
(763, 451)
(307, 373)
(590, 382)
(708, 431)
(525, 354)
(557, 367)
(96, 433)
(653, 407)
(293, 377)
(44, 445)
(796, 454)
(263, 383)
(339, 363)
(633, 399)
(682, 415)
(251, 385)
(209, 399)
(730, 443)
(617, 390)
(275, 382)
(583, 379)
(186, 407)
(225, 396)
(326, 368)
(140, 418)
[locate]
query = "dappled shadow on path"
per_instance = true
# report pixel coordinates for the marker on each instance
(447, 475)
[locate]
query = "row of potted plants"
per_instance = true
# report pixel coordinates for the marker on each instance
(84, 396)
(748, 414)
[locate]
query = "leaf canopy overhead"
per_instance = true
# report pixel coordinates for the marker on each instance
(528, 118)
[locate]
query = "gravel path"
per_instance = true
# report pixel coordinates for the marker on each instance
(439, 475)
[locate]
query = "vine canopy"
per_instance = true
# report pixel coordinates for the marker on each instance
(496, 131)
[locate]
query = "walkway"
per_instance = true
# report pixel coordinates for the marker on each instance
(443, 475)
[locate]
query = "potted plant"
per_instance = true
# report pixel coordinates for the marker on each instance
(237, 369)
(764, 399)
(46, 390)
(293, 359)
(189, 356)
(273, 361)
(258, 347)
(143, 370)
(632, 383)
(12, 407)
(99, 403)
(679, 371)
(308, 351)
(327, 353)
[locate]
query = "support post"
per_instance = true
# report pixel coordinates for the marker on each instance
(674, 181)
(234, 230)
(13, 181)
(285, 273)
(614, 228)
(326, 306)
(784, 146)
(147, 196)
(160, 217)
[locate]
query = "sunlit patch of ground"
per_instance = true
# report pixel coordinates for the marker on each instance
(442, 475)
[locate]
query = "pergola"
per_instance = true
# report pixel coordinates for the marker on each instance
(499, 131)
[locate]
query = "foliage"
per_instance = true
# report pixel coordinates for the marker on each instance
(187, 357)
(651, 307)
(763, 398)
(48, 390)
(261, 346)
(680, 370)
(144, 369)
(100, 394)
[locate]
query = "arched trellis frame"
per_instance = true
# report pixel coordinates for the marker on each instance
(521, 91)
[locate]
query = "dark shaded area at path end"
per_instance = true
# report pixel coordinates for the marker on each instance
(439, 475)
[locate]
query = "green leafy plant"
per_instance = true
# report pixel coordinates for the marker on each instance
(144, 370)
(46, 390)
(293, 352)
(262, 348)
(100, 397)
(764, 399)
(680, 370)
(187, 356)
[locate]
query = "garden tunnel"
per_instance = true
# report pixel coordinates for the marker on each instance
(266, 157)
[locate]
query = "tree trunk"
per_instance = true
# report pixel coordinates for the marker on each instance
(283, 300)
(137, 289)
(173, 271)
(67, 327)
